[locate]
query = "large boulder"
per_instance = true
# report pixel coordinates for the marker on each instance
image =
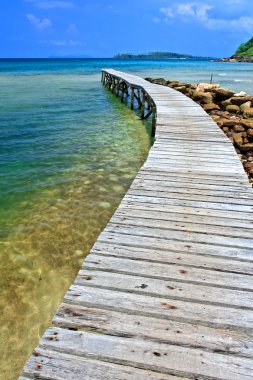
(232, 108)
(244, 106)
(247, 123)
(238, 139)
(211, 107)
(248, 112)
(250, 133)
(226, 103)
(231, 122)
(207, 86)
(238, 100)
(222, 93)
(247, 147)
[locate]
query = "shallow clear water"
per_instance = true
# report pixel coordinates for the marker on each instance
(68, 152)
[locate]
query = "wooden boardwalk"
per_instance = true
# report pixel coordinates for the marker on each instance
(166, 292)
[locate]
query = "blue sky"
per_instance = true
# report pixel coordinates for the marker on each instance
(43, 28)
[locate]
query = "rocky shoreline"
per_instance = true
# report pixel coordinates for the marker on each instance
(235, 58)
(232, 112)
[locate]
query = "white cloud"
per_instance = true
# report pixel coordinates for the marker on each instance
(241, 23)
(47, 4)
(38, 23)
(167, 11)
(200, 12)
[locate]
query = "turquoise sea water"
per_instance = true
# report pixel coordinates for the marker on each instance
(68, 152)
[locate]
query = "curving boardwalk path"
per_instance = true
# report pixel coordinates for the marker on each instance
(166, 293)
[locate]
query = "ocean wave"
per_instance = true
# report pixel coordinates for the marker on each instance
(243, 80)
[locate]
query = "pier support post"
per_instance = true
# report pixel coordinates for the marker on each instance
(132, 98)
(117, 87)
(122, 92)
(143, 104)
(153, 124)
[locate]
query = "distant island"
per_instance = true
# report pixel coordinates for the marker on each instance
(158, 55)
(244, 53)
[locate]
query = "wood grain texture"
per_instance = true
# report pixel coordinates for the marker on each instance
(167, 290)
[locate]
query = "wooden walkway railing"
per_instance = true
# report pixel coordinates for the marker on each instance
(166, 292)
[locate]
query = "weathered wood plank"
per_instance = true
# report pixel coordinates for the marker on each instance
(155, 219)
(206, 195)
(166, 280)
(53, 365)
(175, 245)
(157, 287)
(222, 264)
(163, 358)
(166, 308)
(244, 211)
(161, 330)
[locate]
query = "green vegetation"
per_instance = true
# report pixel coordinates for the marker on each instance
(157, 55)
(245, 50)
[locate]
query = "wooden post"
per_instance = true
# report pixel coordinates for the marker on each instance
(113, 84)
(123, 89)
(132, 98)
(148, 101)
(143, 104)
(117, 87)
(153, 126)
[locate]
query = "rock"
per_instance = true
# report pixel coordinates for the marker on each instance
(185, 84)
(210, 107)
(222, 93)
(207, 86)
(248, 112)
(174, 84)
(225, 129)
(251, 172)
(118, 189)
(250, 133)
(226, 103)
(159, 81)
(79, 253)
(215, 118)
(238, 100)
(233, 108)
(247, 123)
(231, 122)
(244, 106)
(242, 93)
(246, 147)
(203, 97)
(181, 89)
(248, 166)
(207, 98)
(238, 139)
(105, 204)
(197, 95)
(238, 128)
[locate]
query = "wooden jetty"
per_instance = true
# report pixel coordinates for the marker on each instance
(166, 292)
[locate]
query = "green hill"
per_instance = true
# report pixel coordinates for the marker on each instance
(245, 50)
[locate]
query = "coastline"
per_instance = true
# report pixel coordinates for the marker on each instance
(232, 111)
(235, 58)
